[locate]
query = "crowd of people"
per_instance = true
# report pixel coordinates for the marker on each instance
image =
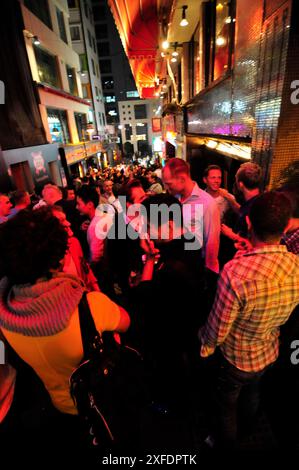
(184, 274)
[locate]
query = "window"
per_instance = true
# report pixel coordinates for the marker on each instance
(194, 70)
(72, 4)
(103, 49)
(97, 93)
(61, 25)
(140, 111)
(94, 44)
(99, 12)
(132, 94)
(83, 62)
(80, 124)
(107, 83)
(105, 66)
(93, 67)
(86, 91)
(141, 131)
(89, 38)
(58, 125)
(223, 37)
(103, 117)
(85, 9)
(100, 118)
(40, 8)
(128, 131)
(71, 75)
(90, 15)
(109, 98)
(47, 67)
(101, 31)
(75, 33)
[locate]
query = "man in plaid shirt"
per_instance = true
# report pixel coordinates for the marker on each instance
(257, 292)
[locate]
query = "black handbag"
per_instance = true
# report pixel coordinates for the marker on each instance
(109, 387)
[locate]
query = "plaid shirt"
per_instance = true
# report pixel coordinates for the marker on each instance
(291, 240)
(257, 292)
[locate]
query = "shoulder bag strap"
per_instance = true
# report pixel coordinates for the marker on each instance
(91, 339)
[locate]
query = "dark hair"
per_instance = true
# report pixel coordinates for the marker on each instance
(210, 168)
(88, 194)
(293, 196)
(19, 196)
(127, 189)
(250, 174)
(270, 214)
(31, 244)
(64, 192)
(167, 200)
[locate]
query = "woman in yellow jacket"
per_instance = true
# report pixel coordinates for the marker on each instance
(39, 303)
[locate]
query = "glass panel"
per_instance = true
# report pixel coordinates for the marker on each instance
(93, 67)
(140, 111)
(57, 120)
(222, 38)
(105, 66)
(61, 25)
(83, 62)
(128, 131)
(75, 33)
(101, 31)
(71, 75)
(72, 3)
(99, 12)
(40, 8)
(85, 9)
(89, 38)
(80, 124)
(47, 67)
(103, 49)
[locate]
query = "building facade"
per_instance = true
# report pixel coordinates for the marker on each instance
(56, 72)
(136, 119)
(117, 79)
(226, 71)
(84, 43)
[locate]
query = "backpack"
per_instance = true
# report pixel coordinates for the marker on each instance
(108, 388)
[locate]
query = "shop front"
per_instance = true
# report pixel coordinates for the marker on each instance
(80, 159)
(29, 168)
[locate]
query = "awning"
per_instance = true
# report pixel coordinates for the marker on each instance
(137, 24)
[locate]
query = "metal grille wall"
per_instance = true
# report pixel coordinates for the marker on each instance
(272, 66)
(287, 142)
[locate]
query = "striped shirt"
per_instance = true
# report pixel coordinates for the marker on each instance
(257, 292)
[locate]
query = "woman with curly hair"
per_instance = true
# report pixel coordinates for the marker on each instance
(39, 303)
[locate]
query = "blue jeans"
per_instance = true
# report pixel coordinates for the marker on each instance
(237, 399)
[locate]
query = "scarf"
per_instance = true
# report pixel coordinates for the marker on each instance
(42, 309)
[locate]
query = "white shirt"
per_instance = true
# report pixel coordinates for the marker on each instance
(202, 218)
(96, 235)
